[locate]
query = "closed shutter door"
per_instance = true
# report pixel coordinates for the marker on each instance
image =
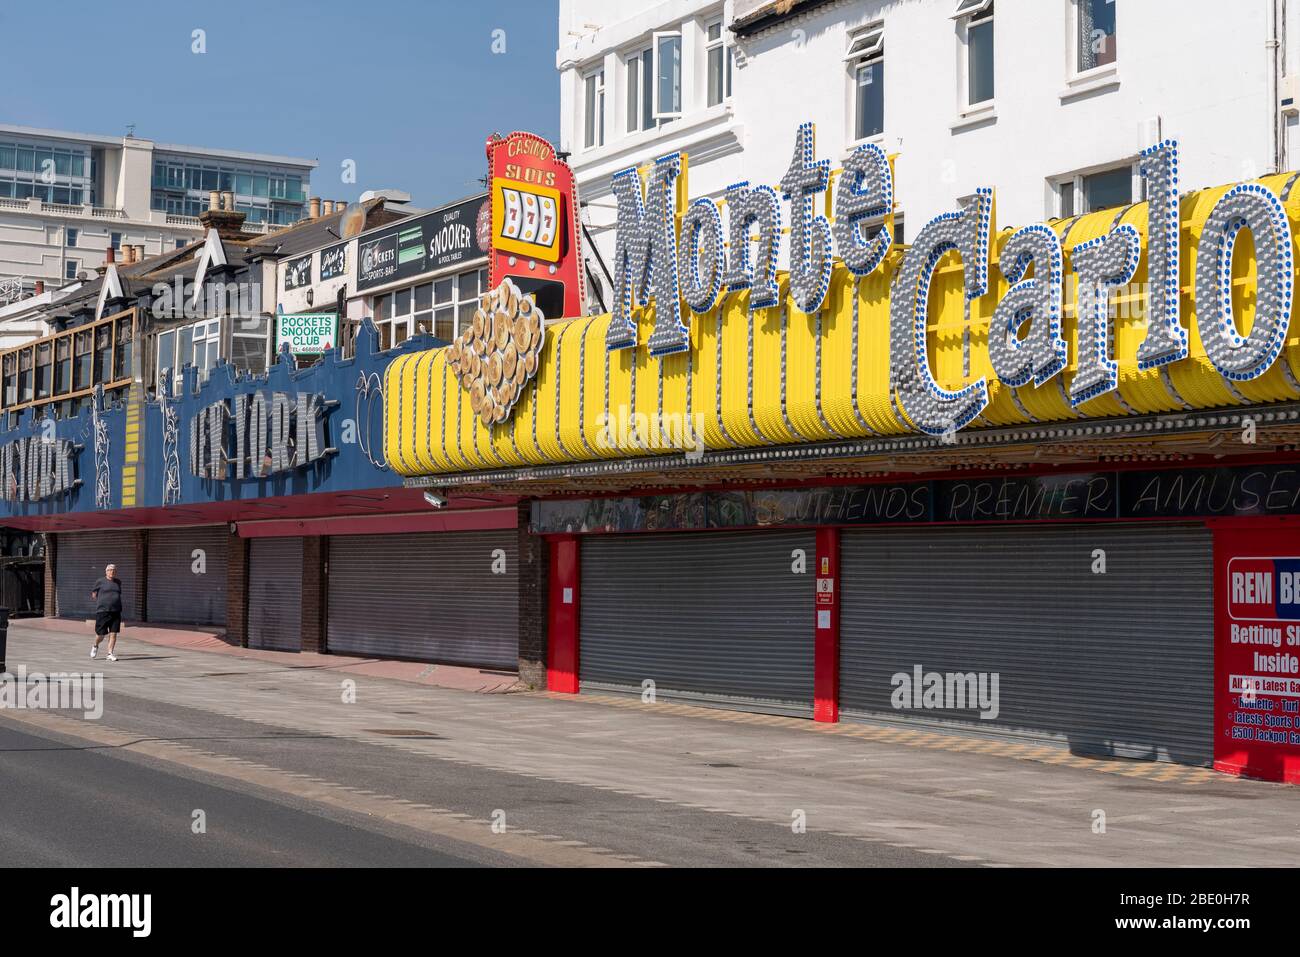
(713, 618)
(275, 594)
(1119, 663)
(185, 588)
(80, 561)
(440, 596)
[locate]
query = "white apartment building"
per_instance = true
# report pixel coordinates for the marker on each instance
(1047, 101)
(66, 198)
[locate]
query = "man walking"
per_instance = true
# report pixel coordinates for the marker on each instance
(108, 611)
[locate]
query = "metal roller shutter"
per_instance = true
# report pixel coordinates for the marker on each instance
(714, 618)
(177, 593)
(80, 561)
(275, 594)
(1119, 663)
(426, 597)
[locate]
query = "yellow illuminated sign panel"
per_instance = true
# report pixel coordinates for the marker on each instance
(526, 219)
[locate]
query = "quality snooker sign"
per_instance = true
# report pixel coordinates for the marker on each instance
(307, 334)
(657, 259)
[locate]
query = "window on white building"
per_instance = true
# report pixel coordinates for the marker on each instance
(718, 65)
(1089, 192)
(444, 307)
(207, 346)
(248, 342)
(70, 268)
(866, 59)
(593, 113)
(667, 75)
(1095, 21)
(69, 236)
(199, 345)
(115, 240)
(640, 90)
(976, 27)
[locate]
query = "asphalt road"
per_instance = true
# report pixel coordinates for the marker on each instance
(75, 802)
(77, 805)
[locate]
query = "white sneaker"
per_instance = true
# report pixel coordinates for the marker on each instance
(94, 652)
(112, 657)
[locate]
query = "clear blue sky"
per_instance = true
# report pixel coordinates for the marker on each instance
(407, 88)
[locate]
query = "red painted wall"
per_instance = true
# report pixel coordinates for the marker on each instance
(562, 617)
(1257, 650)
(826, 628)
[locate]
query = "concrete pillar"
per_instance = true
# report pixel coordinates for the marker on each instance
(140, 587)
(533, 571)
(237, 591)
(315, 549)
(51, 593)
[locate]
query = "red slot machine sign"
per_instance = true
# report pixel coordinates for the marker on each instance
(534, 224)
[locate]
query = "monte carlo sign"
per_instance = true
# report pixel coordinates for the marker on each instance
(1180, 302)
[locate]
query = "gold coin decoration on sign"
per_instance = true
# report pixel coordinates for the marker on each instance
(497, 354)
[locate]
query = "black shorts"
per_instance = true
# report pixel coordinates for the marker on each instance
(108, 622)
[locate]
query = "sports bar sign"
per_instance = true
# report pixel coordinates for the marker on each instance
(437, 240)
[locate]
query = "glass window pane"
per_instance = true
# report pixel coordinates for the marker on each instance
(468, 283)
(980, 61)
(647, 90)
(423, 323)
(465, 314)
(383, 308)
(715, 75)
(1097, 36)
(166, 350)
(871, 99)
(402, 302)
(423, 297)
(1067, 199)
(444, 324)
(669, 77)
(1112, 188)
(633, 94)
(443, 290)
(589, 113)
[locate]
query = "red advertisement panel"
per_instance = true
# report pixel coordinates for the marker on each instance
(1257, 652)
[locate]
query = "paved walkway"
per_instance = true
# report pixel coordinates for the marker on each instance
(855, 783)
(479, 680)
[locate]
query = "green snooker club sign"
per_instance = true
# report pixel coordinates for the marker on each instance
(307, 334)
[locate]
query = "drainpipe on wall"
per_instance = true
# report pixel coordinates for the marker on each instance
(1273, 46)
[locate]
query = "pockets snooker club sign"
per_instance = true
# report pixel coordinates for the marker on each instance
(306, 334)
